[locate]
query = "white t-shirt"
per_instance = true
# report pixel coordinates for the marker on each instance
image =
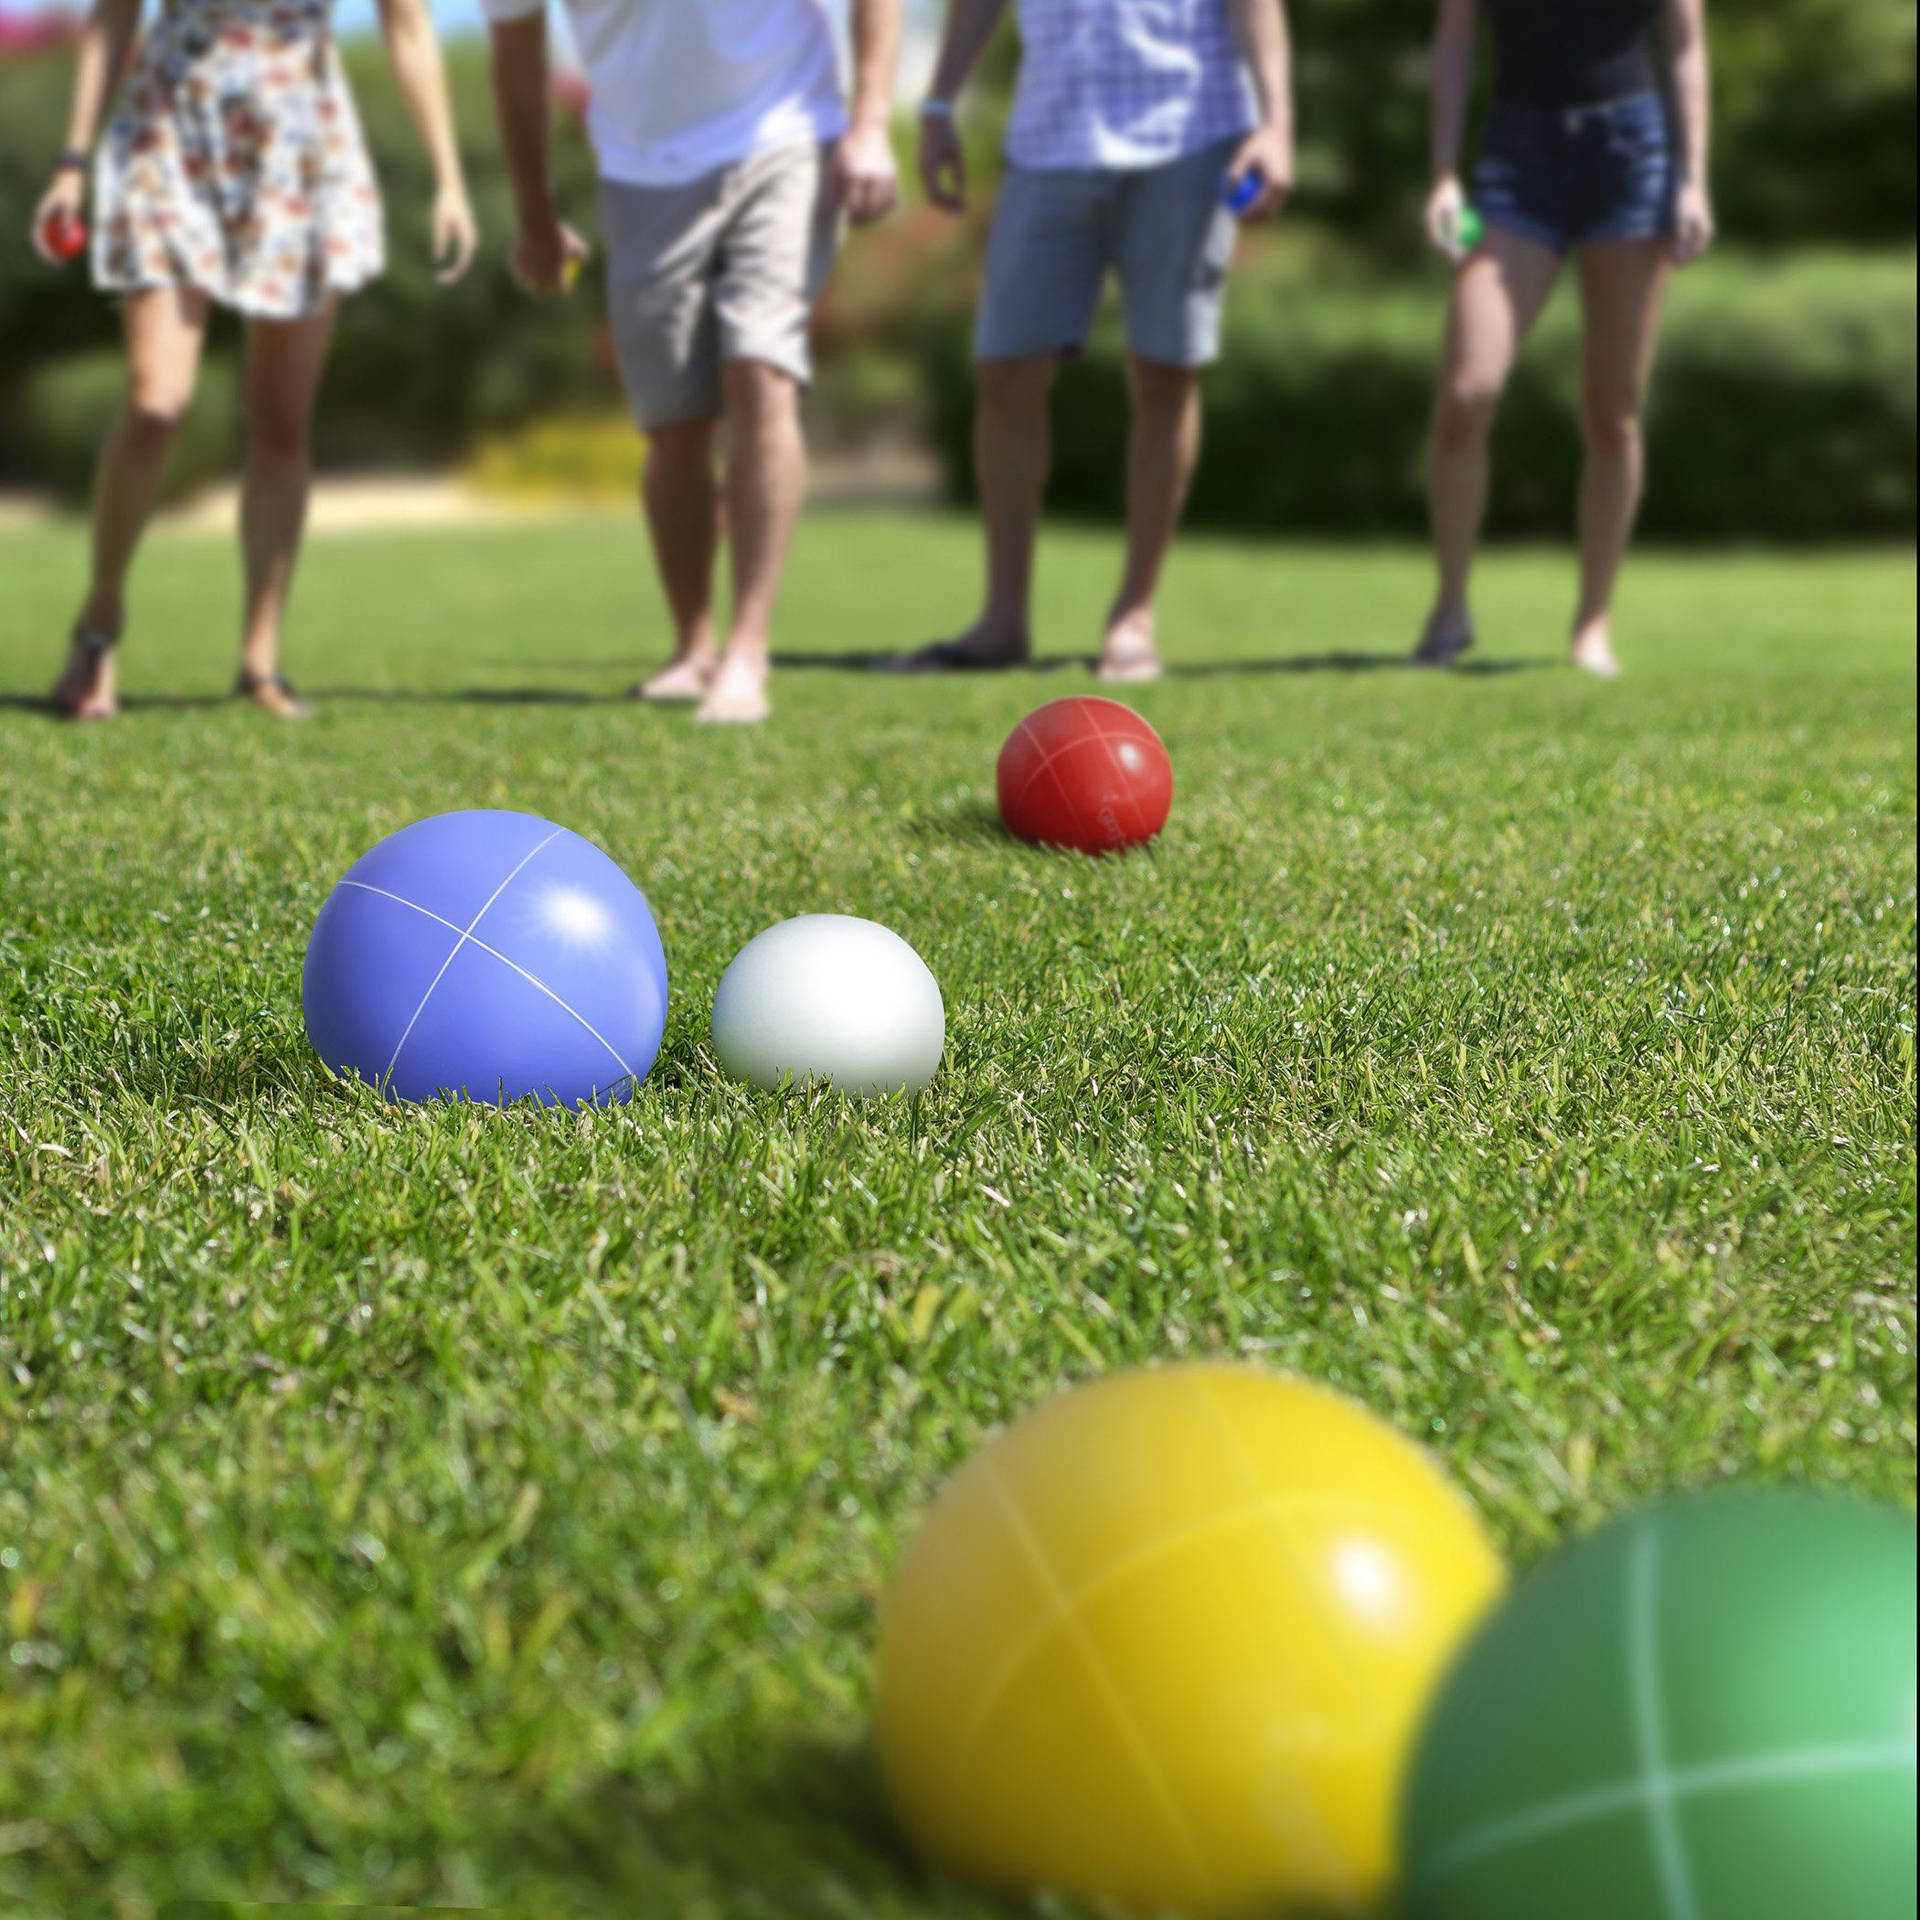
(679, 87)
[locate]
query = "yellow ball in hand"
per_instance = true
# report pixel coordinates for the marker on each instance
(1167, 1639)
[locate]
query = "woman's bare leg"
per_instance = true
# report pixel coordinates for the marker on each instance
(285, 359)
(1497, 296)
(165, 328)
(1622, 286)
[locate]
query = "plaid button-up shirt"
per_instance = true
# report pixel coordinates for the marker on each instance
(1125, 83)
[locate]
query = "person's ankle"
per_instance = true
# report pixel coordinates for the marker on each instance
(746, 653)
(102, 616)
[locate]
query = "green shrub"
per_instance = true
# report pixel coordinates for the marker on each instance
(71, 404)
(1783, 407)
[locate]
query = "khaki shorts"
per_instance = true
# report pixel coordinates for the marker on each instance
(726, 267)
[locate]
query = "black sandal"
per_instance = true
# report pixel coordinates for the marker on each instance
(250, 684)
(94, 645)
(951, 656)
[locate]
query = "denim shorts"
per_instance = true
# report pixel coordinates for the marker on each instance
(1564, 176)
(1055, 233)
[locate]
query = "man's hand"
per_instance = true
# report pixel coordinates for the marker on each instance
(864, 180)
(1693, 226)
(943, 163)
(547, 254)
(1267, 151)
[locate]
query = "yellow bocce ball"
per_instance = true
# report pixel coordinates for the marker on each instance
(1166, 1640)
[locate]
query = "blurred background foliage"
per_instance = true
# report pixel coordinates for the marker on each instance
(1785, 404)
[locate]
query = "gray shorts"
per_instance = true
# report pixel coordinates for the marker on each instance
(1055, 233)
(726, 267)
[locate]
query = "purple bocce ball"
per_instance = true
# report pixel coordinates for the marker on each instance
(487, 956)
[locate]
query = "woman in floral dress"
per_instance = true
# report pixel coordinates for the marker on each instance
(233, 171)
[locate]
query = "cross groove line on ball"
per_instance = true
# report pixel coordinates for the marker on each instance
(466, 934)
(1104, 1683)
(1689, 1783)
(532, 979)
(1236, 1452)
(1144, 1556)
(1080, 740)
(1650, 1727)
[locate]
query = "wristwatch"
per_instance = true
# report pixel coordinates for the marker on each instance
(935, 108)
(70, 160)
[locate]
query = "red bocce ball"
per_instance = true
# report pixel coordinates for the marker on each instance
(1085, 773)
(64, 235)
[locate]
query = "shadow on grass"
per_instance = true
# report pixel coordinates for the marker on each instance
(865, 661)
(971, 822)
(137, 703)
(1344, 663)
(806, 1834)
(472, 697)
(870, 662)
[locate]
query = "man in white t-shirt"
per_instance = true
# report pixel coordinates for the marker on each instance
(727, 161)
(1141, 131)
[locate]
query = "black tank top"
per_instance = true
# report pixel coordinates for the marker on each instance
(1571, 53)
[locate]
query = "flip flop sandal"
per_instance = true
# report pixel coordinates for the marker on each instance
(248, 684)
(949, 656)
(1442, 653)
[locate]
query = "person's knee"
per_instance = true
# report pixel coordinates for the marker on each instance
(1468, 401)
(278, 436)
(1161, 388)
(1015, 386)
(1612, 429)
(680, 445)
(154, 411)
(757, 392)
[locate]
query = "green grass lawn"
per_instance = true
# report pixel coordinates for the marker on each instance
(448, 1506)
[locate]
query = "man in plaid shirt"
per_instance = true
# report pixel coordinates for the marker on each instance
(1134, 125)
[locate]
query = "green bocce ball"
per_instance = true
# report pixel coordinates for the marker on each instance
(1704, 1711)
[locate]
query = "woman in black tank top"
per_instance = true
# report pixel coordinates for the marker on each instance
(1572, 53)
(1596, 146)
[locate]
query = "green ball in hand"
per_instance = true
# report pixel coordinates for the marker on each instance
(1704, 1711)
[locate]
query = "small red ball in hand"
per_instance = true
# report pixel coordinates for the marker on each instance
(63, 234)
(1085, 773)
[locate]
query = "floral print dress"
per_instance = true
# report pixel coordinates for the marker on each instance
(235, 163)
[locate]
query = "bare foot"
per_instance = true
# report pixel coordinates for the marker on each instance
(1593, 652)
(1127, 652)
(1446, 638)
(85, 688)
(738, 695)
(680, 683)
(982, 648)
(272, 693)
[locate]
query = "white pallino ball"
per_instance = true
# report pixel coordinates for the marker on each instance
(829, 997)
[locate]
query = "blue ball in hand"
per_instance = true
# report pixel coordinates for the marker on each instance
(487, 956)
